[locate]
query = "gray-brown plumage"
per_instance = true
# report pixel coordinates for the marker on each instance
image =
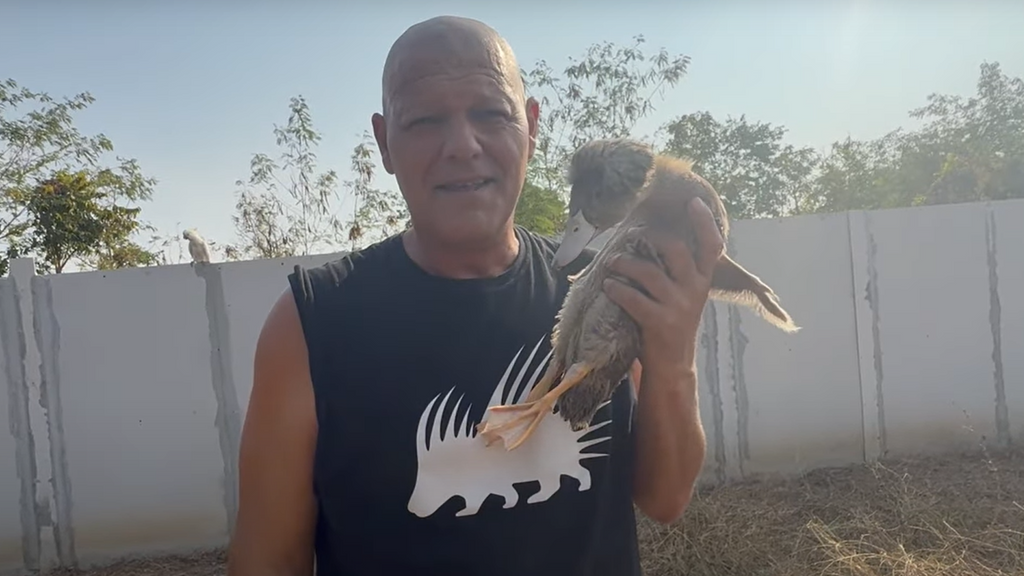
(618, 182)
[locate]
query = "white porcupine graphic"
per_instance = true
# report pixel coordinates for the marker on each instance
(452, 461)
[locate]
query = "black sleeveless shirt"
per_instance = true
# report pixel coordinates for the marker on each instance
(404, 364)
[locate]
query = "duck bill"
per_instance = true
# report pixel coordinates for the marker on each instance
(578, 233)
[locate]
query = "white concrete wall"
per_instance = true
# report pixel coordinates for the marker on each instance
(126, 390)
(144, 375)
(13, 445)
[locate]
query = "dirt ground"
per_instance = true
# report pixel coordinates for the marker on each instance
(951, 516)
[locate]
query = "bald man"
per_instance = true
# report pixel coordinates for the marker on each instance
(372, 371)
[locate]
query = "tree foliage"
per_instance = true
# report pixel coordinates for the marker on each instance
(973, 147)
(41, 149)
(74, 216)
(300, 221)
(858, 175)
(540, 210)
(752, 168)
(603, 94)
(288, 207)
(968, 149)
(376, 213)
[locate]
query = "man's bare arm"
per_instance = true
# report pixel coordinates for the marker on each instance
(276, 512)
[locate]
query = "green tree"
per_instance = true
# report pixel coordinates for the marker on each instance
(603, 94)
(300, 221)
(289, 208)
(968, 149)
(973, 147)
(123, 254)
(540, 210)
(376, 213)
(752, 168)
(74, 216)
(261, 225)
(38, 138)
(859, 175)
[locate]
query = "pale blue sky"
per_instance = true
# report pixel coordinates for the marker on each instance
(192, 89)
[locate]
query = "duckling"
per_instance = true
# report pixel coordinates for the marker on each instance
(618, 182)
(609, 178)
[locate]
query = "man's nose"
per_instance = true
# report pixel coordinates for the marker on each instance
(462, 140)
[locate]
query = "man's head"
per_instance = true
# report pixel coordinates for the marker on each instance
(457, 129)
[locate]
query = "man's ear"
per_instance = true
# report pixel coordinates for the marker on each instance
(380, 133)
(532, 122)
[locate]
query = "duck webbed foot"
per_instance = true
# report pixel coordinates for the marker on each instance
(514, 423)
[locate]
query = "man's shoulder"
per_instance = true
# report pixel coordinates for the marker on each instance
(309, 280)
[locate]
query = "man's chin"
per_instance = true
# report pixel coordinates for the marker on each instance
(472, 227)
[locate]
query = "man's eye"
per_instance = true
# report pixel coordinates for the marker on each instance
(493, 114)
(424, 120)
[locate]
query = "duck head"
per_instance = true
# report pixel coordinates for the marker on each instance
(607, 178)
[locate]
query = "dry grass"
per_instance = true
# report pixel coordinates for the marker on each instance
(200, 564)
(951, 516)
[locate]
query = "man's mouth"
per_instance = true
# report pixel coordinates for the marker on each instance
(466, 185)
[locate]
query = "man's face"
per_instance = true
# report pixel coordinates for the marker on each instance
(458, 139)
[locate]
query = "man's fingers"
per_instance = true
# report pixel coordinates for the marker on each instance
(710, 244)
(677, 256)
(634, 302)
(645, 273)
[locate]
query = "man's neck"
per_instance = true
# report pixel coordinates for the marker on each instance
(460, 262)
